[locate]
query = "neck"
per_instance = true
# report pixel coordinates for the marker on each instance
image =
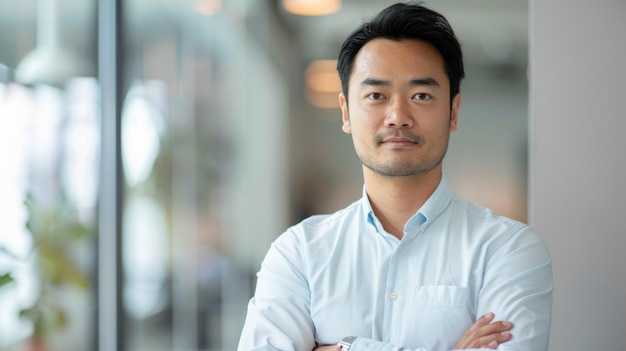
(395, 199)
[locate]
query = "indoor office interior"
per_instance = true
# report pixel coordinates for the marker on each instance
(150, 151)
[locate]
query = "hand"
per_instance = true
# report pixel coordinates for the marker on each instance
(484, 334)
(327, 348)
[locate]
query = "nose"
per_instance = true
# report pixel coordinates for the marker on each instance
(399, 115)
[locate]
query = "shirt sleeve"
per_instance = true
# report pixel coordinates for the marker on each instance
(278, 316)
(364, 344)
(517, 287)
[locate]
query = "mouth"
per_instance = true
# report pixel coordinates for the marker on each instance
(399, 143)
(400, 140)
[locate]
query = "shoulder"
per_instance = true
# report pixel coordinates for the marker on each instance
(496, 230)
(323, 223)
(321, 227)
(315, 238)
(484, 217)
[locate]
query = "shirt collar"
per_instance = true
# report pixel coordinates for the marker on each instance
(432, 208)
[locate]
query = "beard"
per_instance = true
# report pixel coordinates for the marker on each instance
(432, 156)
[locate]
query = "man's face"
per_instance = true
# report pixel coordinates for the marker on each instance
(399, 112)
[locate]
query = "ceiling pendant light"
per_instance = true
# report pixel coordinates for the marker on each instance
(51, 62)
(312, 7)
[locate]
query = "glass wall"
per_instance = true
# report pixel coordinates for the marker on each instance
(204, 154)
(49, 135)
(222, 148)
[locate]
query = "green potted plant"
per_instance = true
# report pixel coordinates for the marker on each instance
(56, 234)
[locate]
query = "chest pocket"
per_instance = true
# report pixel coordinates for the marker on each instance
(440, 315)
(442, 295)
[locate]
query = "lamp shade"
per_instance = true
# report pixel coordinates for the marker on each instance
(51, 65)
(50, 62)
(312, 7)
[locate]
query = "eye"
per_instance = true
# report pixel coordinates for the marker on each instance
(422, 96)
(375, 96)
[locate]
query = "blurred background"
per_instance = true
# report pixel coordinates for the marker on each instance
(228, 132)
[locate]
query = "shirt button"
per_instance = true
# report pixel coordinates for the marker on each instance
(399, 250)
(393, 296)
(424, 227)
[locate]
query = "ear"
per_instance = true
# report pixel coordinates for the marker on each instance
(345, 117)
(454, 112)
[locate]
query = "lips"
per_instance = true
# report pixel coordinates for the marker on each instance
(403, 140)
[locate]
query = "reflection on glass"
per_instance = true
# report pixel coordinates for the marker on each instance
(46, 248)
(16, 103)
(145, 257)
(81, 145)
(145, 240)
(142, 126)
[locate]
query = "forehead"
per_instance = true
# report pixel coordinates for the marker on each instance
(398, 60)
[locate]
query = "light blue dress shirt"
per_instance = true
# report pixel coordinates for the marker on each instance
(339, 275)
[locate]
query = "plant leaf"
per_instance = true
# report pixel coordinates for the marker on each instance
(5, 279)
(58, 269)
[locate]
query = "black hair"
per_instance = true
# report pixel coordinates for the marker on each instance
(406, 21)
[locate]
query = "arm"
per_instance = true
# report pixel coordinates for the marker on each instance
(517, 287)
(278, 315)
(483, 334)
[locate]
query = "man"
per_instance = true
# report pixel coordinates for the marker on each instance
(409, 266)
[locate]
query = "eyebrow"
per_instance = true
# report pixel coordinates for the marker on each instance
(424, 81)
(429, 81)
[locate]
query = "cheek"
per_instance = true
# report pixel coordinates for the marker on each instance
(365, 124)
(360, 134)
(363, 132)
(443, 132)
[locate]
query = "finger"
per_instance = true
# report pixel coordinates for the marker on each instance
(486, 319)
(481, 322)
(470, 334)
(490, 341)
(495, 327)
(480, 335)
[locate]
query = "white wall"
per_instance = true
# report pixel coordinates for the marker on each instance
(578, 163)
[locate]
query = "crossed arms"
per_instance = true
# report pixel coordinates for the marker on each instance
(302, 307)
